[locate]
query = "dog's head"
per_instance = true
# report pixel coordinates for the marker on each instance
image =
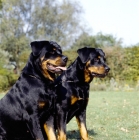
(94, 61)
(48, 55)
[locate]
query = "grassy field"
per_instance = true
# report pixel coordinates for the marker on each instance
(110, 116)
(1, 95)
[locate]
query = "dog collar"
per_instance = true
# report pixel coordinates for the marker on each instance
(62, 80)
(33, 76)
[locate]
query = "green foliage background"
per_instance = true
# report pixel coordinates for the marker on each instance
(24, 21)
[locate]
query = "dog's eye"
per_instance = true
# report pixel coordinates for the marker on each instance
(59, 51)
(96, 59)
(52, 52)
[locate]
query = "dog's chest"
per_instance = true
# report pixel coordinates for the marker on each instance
(77, 104)
(76, 99)
(79, 96)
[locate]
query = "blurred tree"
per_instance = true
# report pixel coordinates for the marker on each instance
(55, 21)
(97, 41)
(45, 19)
(84, 40)
(115, 60)
(3, 57)
(28, 20)
(107, 40)
(0, 4)
(131, 71)
(7, 78)
(123, 63)
(72, 55)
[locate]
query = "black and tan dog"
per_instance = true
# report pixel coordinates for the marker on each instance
(73, 89)
(24, 105)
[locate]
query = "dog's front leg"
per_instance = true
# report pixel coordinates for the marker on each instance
(49, 128)
(61, 120)
(34, 127)
(81, 121)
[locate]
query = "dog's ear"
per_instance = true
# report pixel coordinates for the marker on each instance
(100, 52)
(84, 54)
(37, 46)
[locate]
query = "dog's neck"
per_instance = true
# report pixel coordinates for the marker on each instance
(88, 77)
(32, 70)
(76, 72)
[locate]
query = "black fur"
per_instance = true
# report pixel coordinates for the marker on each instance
(72, 89)
(30, 101)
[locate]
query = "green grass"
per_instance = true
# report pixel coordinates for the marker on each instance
(110, 116)
(1, 95)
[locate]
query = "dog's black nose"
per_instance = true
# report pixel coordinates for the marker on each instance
(107, 69)
(65, 59)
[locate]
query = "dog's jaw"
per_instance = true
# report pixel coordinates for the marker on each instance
(50, 68)
(56, 69)
(87, 76)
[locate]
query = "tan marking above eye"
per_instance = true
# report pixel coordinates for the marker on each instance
(99, 57)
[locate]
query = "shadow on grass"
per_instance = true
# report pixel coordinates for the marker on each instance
(75, 134)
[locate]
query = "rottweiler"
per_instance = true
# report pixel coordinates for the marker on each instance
(72, 89)
(23, 107)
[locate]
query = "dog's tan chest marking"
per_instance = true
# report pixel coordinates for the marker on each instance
(42, 104)
(74, 99)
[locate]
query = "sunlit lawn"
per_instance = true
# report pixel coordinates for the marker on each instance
(1, 95)
(110, 116)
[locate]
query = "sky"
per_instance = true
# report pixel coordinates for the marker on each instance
(117, 17)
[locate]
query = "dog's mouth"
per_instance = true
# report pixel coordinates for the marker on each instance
(99, 75)
(56, 69)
